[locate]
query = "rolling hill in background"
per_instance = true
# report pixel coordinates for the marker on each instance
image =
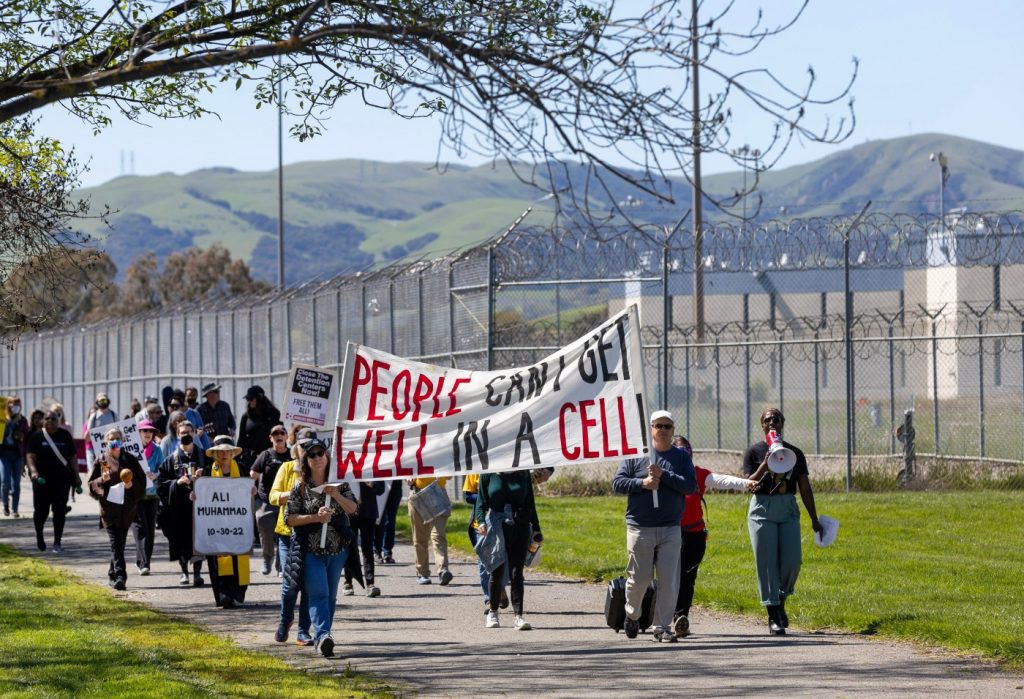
(344, 215)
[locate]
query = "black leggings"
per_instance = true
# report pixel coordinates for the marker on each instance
(517, 542)
(690, 556)
(51, 496)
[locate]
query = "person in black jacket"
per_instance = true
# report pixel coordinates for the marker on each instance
(117, 471)
(174, 487)
(364, 525)
(53, 468)
(254, 427)
(510, 492)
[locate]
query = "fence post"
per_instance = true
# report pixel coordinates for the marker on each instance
(270, 348)
(718, 399)
(935, 383)
(419, 309)
(337, 327)
(316, 353)
(491, 301)
(782, 383)
(391, 315)
(451, 314)
(746, 370)
(981, 391)
(287, 336)
(817, 395)
(686, 361)
(892, 391)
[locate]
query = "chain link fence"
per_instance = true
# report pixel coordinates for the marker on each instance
(935, 323)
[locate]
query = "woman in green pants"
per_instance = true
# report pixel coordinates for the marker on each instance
(774, 521)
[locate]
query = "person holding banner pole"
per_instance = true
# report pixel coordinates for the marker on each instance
(287, 476)
(656, 484)
(119, 483)
(324, 548)
(174, 486)
(229, 575)
(144, 527)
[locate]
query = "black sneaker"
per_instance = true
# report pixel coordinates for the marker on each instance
(664, 635)
(446, 576)
(775, 627)
(119, 584)
(632, 628)
(227, 602)
(40, 544)
(282, 632)
(681, 626)
(325, 646)
(783, 617)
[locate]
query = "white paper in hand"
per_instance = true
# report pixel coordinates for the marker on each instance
(829, 531)
(115, 495)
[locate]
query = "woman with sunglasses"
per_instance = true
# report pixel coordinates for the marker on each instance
(119, 483)
(53, 468)
(773, 520)
(264, 471)
(318, 513)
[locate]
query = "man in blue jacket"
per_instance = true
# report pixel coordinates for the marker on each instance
(657, 485)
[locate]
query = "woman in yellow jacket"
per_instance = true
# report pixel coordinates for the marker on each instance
(436, 531)
(287, 476)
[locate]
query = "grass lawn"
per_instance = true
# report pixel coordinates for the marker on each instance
(60, 636)
(945, 568)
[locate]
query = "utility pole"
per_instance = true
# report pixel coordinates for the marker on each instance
(280, 187)
(698, 210)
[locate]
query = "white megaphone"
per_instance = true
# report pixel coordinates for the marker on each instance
(781, 459)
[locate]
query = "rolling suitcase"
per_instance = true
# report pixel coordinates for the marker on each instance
(615, 605)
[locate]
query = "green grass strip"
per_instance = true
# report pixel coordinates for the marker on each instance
(60, 636)
(943, 568)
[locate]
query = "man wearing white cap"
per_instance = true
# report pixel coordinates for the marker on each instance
(657, 485)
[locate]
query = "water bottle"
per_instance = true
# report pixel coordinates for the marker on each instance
(532, 551)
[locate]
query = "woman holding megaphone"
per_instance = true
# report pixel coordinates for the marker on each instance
(778, 469)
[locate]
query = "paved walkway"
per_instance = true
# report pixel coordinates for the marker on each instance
(433, 638)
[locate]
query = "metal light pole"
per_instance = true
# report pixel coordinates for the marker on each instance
(943, 178)
(280, 187)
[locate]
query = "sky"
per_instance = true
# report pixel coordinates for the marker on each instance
(942, 66)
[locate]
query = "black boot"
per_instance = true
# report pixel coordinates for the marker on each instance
(783, 617)
(775, 627)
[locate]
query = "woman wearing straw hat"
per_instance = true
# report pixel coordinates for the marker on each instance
(774, 519)
(229, 575)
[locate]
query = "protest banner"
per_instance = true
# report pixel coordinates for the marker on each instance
(223, 516)
(583, 404)
(131, 441)
(311, 397)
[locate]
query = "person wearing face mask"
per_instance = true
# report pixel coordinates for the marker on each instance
(100, 415)
(119, 483)
(53, 468)
(12, 455)
(144, 527)
(259, 416)
(174, 487)
(264, 471)
(191, 408)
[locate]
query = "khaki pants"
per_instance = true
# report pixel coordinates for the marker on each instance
(435, 531)
(650, 550)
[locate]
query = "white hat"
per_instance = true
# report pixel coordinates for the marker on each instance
(829, 531)
(659, 414)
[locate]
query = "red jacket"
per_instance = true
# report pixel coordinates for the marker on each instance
(693, 513)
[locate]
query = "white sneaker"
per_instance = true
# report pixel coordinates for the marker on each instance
(522, 624)
(492, 620)
(347, 591)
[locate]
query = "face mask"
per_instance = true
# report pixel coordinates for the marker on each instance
(186, 440)
(15, 409)
(191, 402)
(103, 405)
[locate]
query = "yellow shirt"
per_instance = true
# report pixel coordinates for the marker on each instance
(471, 484)
(287, 476)
(422, 483)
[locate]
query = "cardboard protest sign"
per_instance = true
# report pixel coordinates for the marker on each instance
(583, 404)
(131, 441)
(311, 397)
(223, 516)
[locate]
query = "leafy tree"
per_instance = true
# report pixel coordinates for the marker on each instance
(194, 274)
(533, 81)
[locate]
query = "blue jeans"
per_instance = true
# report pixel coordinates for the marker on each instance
(10, 477)
(321, 574)
(288, 595)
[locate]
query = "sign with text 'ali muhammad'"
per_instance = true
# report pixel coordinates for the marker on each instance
(583, 404)
(223, 516)
(311, 398)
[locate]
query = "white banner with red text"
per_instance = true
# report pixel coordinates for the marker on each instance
(399, 418)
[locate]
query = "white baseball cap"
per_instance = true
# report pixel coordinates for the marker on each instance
(659, 414)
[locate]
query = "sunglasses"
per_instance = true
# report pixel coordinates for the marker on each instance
(663, 427)
(279, 433)
(317, 453)
(49, 419)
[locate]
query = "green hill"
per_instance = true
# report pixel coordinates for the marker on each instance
(348, 214)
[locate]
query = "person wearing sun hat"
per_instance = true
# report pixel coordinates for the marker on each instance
(229, 575)
(144, 526)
